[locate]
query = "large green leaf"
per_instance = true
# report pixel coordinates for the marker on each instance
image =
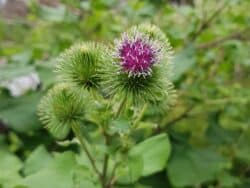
(20, 113)
(130, 170)
(61, 172)
(82, 178)
(144, 159)
(9, 169)
(189, 167)
(11, 71)
(56, 174)
(37, 160)
(155, 152)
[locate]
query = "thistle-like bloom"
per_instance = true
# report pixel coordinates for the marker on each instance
(60, 109)
(139, 71)
(137, 53)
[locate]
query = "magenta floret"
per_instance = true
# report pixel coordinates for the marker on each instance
(136, 56)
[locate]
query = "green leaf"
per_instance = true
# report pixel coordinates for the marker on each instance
(9, 165)
(57, 174)
(82, 178)
(9, 162)
(155, 152)
(120, 126)
(189, 167)
(37, 160)
(14, 70)
(45, 74)
(23, 57)
(130, 170)
(20, 113)
(156, 181)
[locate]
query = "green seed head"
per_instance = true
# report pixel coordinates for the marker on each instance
(60, 109)
(79, 66)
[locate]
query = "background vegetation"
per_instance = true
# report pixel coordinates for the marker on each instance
(209, 127)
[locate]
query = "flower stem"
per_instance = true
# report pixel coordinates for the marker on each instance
(139, 117)
(121, 107)
(77, 132)
(106, 159)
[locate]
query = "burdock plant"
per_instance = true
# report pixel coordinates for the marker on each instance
(110, 89)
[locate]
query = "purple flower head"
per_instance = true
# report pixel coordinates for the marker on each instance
(137, 54)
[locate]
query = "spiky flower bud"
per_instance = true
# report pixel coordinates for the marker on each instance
(155, 33)
(137, 54)
(79, 65)
(61, 108)
(140, 69)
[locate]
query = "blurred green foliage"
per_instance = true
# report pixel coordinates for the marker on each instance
(209, 128)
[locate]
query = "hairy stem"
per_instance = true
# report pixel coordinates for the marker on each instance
(121, 107)
(106, 159)
(78, 134)
(139, 117)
